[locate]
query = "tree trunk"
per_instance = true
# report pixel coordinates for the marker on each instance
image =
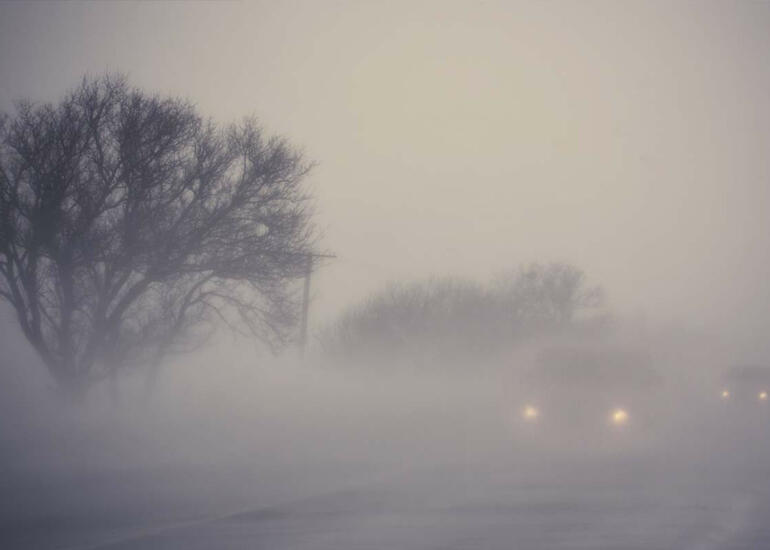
(74, 390)
(114, 389)
(151, 379)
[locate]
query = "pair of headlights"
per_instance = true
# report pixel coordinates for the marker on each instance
(762, 396)
(618, 417)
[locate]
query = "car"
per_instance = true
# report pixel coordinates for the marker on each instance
(738, 415)
(590, 397)
(745, 385)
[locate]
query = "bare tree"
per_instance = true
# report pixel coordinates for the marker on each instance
(447, 320)
(546, 295)
(421, 320)
(130, 225)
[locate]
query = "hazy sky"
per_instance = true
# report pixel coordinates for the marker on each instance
(632, 139)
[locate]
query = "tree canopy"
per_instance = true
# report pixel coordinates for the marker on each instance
(130, 225)
(451, 319)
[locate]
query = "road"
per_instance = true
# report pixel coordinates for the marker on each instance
(618, 503)
(689, 492)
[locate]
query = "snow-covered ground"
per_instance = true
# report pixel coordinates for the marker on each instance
(354, 465)
(622, 502)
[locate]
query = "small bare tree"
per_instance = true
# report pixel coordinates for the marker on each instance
(547, 295)
(129, 225)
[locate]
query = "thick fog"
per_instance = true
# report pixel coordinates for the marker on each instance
(444, 400)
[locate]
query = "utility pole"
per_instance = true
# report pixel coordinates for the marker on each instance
(306, 298)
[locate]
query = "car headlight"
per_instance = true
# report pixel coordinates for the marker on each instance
(763, 396)
(725, 394)
(619, 417)
(530, 413)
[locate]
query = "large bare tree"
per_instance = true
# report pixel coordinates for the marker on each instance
(130, 225)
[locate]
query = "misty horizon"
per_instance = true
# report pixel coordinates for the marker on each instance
(346, 274)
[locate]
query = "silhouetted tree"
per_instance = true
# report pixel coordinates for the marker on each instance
(129, 225)
(542, 296)
(452, 319)
(423, 320)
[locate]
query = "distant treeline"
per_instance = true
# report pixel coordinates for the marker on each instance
(455, 319)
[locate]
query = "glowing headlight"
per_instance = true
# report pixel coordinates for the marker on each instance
(763, 396)
(725, 394)
(530, 413)
(619, 417)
